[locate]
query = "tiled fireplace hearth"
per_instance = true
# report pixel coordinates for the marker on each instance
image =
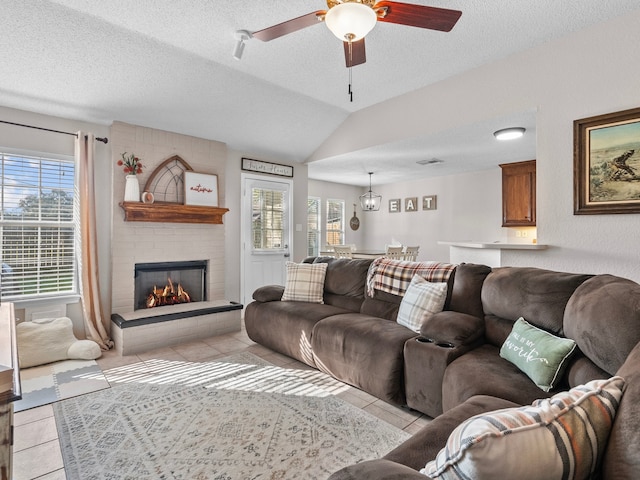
(134, 327)
(148, 329)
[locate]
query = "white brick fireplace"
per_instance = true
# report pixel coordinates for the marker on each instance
(147, 242)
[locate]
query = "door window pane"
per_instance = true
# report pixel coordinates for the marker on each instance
(267, 219)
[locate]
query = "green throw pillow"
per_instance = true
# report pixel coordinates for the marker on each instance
(539, 354)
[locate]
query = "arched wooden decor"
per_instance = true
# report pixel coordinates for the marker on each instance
(166, 183)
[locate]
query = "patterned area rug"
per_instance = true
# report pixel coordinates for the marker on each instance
(237, 418)
(56, 381)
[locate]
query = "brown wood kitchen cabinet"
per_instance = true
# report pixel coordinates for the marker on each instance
(519, 194)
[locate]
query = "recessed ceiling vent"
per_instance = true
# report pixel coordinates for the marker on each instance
(432, 161)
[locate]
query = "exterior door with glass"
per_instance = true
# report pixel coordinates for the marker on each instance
(266, 233)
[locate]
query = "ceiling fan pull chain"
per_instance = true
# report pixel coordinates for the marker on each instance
(350, 68)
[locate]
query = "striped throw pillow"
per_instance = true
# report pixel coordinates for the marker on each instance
(421, 300)
(305, 282)
(562, 437)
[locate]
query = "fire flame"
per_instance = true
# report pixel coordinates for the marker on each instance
(168, 295)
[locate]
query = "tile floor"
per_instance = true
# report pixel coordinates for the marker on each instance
(37, 450)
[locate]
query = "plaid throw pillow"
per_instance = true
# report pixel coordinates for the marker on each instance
(305, 282)
(559, 437)
(421, 300)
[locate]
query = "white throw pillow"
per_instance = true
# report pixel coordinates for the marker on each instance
(562, 437)
(44, 341)
(84, 350)
(421, 300)
(305, 282)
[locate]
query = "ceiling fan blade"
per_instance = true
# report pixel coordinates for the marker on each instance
(420, 16)
(356, 54)
(289, 26)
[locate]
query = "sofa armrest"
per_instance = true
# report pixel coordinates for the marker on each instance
(268, 293)
(425, 444)
(377, 469)
(454, 328)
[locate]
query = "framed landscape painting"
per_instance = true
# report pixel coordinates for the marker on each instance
(606, 166)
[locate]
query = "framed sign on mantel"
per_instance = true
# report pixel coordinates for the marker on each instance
(267, 167)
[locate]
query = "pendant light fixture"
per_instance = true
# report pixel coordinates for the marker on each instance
(370, 202)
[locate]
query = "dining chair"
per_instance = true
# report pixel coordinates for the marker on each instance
(394, 253)
(343, 251)
(411, 253)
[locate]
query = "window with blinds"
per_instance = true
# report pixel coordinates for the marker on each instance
(267, 219)
(37, 226)
(335, 222)
(313, 226)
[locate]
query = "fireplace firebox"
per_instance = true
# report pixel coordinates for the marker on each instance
(169, 283)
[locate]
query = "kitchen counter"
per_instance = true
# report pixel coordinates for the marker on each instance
(487, 253)
(496, 245)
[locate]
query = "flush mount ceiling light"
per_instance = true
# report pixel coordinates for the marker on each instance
(509, 133)
(351, 21)
(370, 202)
(432, 161)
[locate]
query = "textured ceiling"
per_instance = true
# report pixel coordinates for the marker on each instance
(168, 65)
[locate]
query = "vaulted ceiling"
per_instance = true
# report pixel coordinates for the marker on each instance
(169, 65)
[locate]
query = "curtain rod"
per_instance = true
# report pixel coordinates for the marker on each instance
(104, 140)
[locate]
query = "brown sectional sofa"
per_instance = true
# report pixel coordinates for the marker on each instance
(453, 370)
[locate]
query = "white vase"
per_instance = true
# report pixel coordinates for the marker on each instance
(131, 189)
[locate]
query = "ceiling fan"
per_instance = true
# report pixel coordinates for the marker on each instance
(351, 20)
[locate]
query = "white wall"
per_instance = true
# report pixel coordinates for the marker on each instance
(592, 72)
(350, 195)
(46, 142)
(469, 207)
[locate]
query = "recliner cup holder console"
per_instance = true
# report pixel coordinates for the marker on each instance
(431, 340)
(424, 340)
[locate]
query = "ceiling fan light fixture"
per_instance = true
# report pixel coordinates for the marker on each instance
(370, 202)
(351, 21)
(509, 133)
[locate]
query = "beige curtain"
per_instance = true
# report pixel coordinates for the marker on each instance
(94, 318)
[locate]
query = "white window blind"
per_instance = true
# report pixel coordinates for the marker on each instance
(313, 226)
(37, 226)
(335, 222)
(267, 219)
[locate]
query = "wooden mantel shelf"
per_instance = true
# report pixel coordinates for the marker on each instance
(171, 212)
